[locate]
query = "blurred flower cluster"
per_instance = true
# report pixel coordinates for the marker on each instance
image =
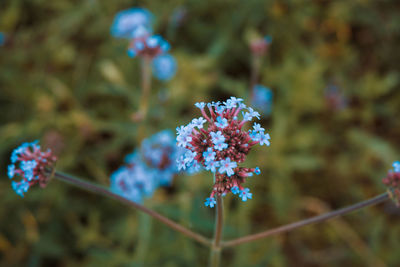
(261, 99)
(150, 166)
(222, 146)
(259, 46)
(136, 25)
(32, 165)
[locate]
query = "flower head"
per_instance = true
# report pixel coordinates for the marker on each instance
(148, 45)
(260, 46)
(223, 144)
(392, 182)
(32, 165)
(132, 23)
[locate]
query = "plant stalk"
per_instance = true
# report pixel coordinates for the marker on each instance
(146, 87)
(101, 190)
(288, 227)
(215, 253)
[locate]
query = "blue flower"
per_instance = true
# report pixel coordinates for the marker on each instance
(20, 187)
(210, 202)
(11, 171)
(227, 166)
(248, 116)
(396, 166)
(235, 190)
(200, 105)
(257, 127)
(209, 155)
(221, 146)
(189, 156)
(133, 22)
(221, 122)
(164, 67)
(257, 171)
(212, 165)
(264, 139)
(245, 194)
(217, 137)
(198, 122)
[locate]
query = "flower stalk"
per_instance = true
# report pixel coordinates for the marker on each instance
(146, 87)
(98, 189)
(215, 253)
(320, 218)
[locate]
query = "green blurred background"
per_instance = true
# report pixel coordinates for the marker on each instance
(65, 81)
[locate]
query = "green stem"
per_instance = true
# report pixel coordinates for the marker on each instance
(101, 190)
(146, 87)
(312, 220)
(255, 72)
(215, 254)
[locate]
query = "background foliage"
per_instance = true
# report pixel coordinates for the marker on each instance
(66, 81)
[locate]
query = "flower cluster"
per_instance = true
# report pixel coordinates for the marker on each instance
(147, 168)
(222, 146)
(392, 181)
(148, 46)
(32, 165)
(136, 25)
(262, 99)
(260, 46)
(132, 23)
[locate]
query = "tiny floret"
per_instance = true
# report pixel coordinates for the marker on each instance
(245, 194)
(210, 202)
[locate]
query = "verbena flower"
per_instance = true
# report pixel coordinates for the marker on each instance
(392, 182)
(222, 145)
(164, 67)
(132, 23)
(148, 45)
(262, 99)
(150, 166)
(260, 46)
(30, 164)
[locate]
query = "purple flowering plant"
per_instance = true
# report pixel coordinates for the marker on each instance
(218, 142)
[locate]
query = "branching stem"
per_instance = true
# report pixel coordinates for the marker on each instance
(312, 220)
(98, 189)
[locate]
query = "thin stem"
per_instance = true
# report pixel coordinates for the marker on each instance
(219, 222)
(146, 86)
(101, 190)
(316, 219)
(215, 254)
(255, 72)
